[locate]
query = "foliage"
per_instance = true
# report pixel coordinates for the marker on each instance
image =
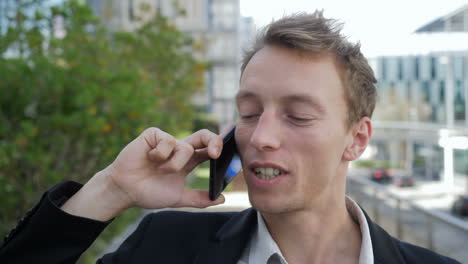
(72, 94)
(205, 120)
(362, 163)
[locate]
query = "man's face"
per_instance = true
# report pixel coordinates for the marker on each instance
(292, 130)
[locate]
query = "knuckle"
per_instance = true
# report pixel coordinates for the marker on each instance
(161, 154)
(171, 167)
(171, 140)
(186, 147)
(152, 130)
(208, 134)
(178, 167)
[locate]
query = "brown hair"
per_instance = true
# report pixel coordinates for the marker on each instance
(312, 34)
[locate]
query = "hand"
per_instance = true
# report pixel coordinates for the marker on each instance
(149, 172)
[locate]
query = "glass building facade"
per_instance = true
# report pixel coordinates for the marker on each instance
(415, 88)
(419, 96)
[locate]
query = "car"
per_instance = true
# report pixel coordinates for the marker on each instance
(404, 181)
(381, 175)
(460, 206)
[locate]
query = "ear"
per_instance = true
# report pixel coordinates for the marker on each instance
(361, 133)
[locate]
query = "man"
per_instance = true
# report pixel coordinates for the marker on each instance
(305, 101)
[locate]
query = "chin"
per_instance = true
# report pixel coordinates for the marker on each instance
(270, 205)
(274, 210)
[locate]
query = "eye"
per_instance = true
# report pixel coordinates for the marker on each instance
(248, 117)
(299, 120)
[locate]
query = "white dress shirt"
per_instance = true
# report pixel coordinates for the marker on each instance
(263, 249)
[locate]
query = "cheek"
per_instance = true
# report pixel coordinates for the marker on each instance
(320, 149)
(319, 159)
(242, 135)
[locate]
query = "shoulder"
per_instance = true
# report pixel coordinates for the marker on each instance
(194, 214)
(185, 219)
(161, 236)
(409, 253)
(415, 254)
(166, 232)
(388, 249)
(190, 224)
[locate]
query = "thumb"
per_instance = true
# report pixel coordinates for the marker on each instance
(198, 199)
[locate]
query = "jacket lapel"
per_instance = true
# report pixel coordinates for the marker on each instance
(229, 242)
(231, 239)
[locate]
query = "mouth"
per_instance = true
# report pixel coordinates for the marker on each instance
(267, 173)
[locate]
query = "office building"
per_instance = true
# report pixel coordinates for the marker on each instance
(215, 24)
(421, 119)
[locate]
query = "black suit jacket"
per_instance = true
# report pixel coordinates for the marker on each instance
(49, 235)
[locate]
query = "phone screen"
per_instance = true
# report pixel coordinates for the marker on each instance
(226, 167)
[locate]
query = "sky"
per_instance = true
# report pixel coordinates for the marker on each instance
(378, 25)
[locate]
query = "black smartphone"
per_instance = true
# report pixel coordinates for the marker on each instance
(225, 167)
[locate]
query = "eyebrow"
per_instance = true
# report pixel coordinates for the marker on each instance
(305, 99)
(245, 95)
(292, 98)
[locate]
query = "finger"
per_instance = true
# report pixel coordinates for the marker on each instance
(222, 135)
(183, 152)
(165, 146)
(198, 199)
(206, 139)
(199, 156)
(226, 130)
(153, 136)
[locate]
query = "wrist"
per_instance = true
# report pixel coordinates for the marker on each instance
(98, 199)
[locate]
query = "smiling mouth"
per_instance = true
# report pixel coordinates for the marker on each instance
(267, 173)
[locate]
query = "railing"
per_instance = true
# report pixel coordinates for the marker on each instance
(442, 232)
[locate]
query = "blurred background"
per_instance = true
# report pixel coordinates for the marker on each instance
(79, 79)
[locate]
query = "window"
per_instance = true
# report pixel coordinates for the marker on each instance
(400, 69)
(131, 12)
(458, 67)
(224, 15)
(383, 64)
(442, 92)
(433, 65)
(416, 68)
(426, 92)
(457, 22)
(224, 82)
(459, 103)
(459, 107)
(223, 48)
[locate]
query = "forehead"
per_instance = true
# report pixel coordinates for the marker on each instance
(278, 72)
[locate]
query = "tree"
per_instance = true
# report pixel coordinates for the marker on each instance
(72, 94)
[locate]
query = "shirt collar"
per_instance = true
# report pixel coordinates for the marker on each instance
(262, 245)
(366, 256)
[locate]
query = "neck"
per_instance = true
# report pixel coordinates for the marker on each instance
(324, 234)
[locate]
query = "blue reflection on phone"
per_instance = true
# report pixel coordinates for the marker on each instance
(234, 167)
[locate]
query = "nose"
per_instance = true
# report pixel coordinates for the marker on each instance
(266, 135)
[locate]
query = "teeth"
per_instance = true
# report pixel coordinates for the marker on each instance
(267, 173)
